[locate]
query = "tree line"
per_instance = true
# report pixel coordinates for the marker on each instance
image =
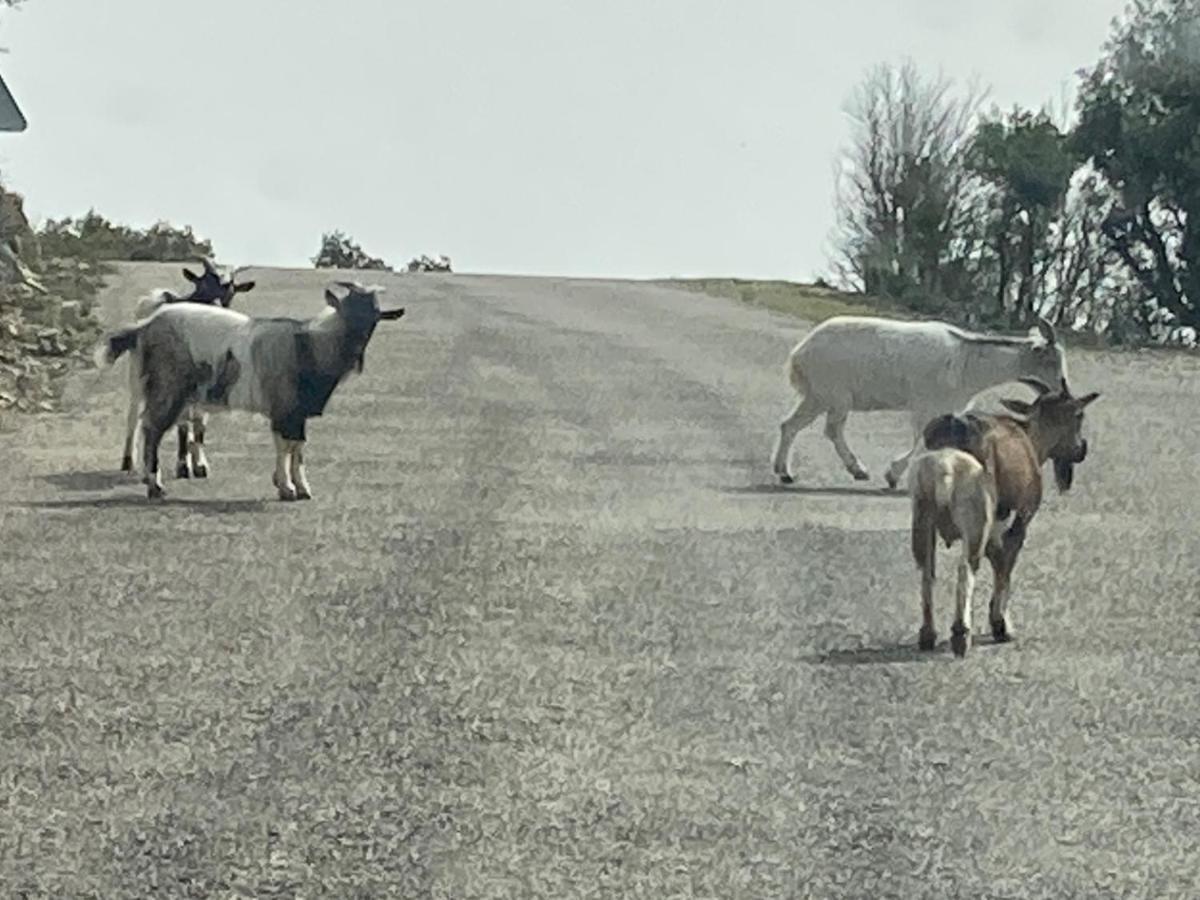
(992, 218)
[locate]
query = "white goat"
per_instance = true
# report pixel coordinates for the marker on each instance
(953, 495)
(863, 363)
(217, 359)
(213, 288)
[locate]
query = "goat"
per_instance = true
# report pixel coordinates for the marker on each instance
(1009, 451)
(211, 287)
(953, 495)
(868, 364)
(218, 359)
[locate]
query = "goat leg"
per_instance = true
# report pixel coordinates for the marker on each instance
(196, 445)
(927, 636)
(960, 631)
(303, 491)
(183, 468)
(151, 438)
(1003, 559)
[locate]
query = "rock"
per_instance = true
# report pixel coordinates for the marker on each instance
(71, 313)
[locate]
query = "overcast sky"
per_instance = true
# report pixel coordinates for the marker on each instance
(613, 137)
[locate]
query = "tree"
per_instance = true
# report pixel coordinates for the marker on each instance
(1139, 112)
(903, 194)
(1024, 159)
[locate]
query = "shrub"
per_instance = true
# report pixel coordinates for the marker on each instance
(338, 251)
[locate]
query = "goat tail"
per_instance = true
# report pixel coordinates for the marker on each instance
(114, 345)
(795, 376)
(943, 488)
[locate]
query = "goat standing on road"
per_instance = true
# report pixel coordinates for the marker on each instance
(218, 359)
(211, 287)
(862, 363)
(957, 498)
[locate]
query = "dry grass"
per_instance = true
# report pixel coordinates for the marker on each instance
(804, 301)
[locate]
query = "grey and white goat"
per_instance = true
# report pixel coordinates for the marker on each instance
(212, 287)
(867, 364)
(218, 359)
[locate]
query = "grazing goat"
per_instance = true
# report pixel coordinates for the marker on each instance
(862, 363)
(211, 287)
(218, 359)
(974, 502)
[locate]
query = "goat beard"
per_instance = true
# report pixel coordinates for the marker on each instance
(1064, 474)
(1064, 466)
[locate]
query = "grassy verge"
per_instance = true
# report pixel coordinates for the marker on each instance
(816, 304)
(805, 301)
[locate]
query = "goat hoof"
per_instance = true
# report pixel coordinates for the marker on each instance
(785, 478)
(155, 492)
(926, 640)
(891, 480)
(960, 640)
(127, 464)
(303, 494)
(287, 493)
(1000, 632)
(861, 475)
(201, 471)
(183, 470)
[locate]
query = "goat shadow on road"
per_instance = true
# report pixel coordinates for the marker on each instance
(880, 493)
(95, 480)
(896, 653)
(139, 500)
(107, 479)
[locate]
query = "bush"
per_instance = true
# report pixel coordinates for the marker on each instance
(338, 251)
(425, 263)
(93, 237)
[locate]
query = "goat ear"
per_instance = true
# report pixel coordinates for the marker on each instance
(392, 313)
(244, 286)
(1047, 331)
(191, 276)
(332, 300)
(1083, 401)
(1020, 407)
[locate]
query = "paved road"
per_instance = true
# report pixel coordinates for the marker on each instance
(549, 630)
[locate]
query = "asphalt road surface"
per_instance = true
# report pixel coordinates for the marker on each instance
(549, 629)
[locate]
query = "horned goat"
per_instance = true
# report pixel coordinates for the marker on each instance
(210, 287)
(218, 359)
(866, 364)
(959, 499)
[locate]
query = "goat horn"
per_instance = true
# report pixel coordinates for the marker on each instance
(1036, 383)
(206, 262)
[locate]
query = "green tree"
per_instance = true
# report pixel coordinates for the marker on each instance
(1025, 160)
(1139, 124)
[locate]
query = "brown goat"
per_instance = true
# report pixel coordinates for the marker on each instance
(1013, 449)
